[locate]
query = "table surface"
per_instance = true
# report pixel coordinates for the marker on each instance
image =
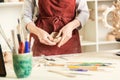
(41, 72)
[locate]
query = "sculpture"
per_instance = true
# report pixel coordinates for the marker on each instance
(115, 19)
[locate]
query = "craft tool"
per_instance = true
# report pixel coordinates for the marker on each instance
(21, 48)
(5, 38)
(76, 73)
(61, 57)
(62, 73)
(27, 44)
(55, 64)
(49, 59)
(94, 64)
(31, 42)
(81, 70)
(27, 48)
(46, 58)
(18, 32)
(91, 68)
(20, 39)
(14, 37)
(90, 64)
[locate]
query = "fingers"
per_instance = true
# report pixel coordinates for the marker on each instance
(45, 38)
(50, 38)
(53, 40)
(57, 40)
(59, 34)
(64, 40)
(47, 41)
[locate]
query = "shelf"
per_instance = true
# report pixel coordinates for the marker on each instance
(108, 42)
(87, 43)
(7, 4)
(105, 0)
(100, 0)
(90, 0)
(113, 51)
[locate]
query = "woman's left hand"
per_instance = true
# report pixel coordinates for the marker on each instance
(65, 33)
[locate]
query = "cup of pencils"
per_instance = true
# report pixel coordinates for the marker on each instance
(22, 64)
(22, 55)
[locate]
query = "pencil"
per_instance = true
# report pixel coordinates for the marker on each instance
(62, 73)
(27, 44)
(18, 32)
(91, 68)
(14, 37)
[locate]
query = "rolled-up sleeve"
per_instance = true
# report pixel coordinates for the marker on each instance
(28, 11)
(82, 11)
(27, 14)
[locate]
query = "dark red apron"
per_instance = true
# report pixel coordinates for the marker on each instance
(53, 15)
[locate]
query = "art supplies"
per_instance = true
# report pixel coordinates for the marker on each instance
(31, 43)
(21, 48)
(70, 74)
(24, 46)
(55, 64)
(20, 39)
(18, 32)
(14, 38)
(90, 68)
(22, 64)
(81, 70)
(82, 66)
(89, 64)
(27, 45)
(94, 64)
(5, 38)
(27, 49)
(62, 73)
(46, 58)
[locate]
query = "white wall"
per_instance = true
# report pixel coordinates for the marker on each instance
(9, 13)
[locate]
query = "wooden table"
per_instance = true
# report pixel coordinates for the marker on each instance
(42, 72)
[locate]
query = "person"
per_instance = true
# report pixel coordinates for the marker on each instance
(65, 17)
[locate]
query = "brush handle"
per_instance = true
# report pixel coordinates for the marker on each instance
(62, 73)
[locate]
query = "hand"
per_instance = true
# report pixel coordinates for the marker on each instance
(65, 33)
(45, 38)
(42, 35)
(55, 39)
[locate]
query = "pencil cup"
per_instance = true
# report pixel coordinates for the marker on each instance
(22, 64)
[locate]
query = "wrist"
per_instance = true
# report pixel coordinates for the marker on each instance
(32, 28)
(76, 23)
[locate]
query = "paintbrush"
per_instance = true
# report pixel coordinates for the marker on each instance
(5, 38)
(62, 73)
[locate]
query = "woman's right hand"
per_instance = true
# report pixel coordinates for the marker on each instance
(45, 37)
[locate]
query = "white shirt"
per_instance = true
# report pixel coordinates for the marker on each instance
(30, 11)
